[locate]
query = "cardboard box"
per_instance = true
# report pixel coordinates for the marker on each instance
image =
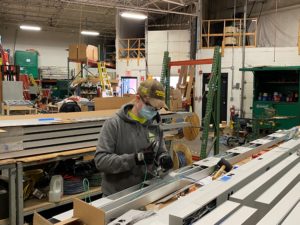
(96, 55)
(83, 214)
(73, 52)
(90, 52)
(82, 52)
(111, 102)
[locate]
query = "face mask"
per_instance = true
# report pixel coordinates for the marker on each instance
(147, 113)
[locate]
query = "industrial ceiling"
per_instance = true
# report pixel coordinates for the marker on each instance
(74, 15)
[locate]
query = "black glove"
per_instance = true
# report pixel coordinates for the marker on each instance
(145, 156)
(166, 162)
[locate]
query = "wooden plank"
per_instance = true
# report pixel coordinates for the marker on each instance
(57, 141)
(183, 71)
(64, 116)
(7, 162)
(4, 221)
(190, 84)
(54, 155)
(111, 102)
(64, 133)
(40, 205)
(184, 77)
(45, 150)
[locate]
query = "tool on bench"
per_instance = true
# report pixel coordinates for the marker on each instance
(223, 165)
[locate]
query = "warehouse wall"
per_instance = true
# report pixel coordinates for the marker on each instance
(50, 45)
(284, 56)
(177, 42)
(275, 27)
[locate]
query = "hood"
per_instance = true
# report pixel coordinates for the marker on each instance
(123, 114)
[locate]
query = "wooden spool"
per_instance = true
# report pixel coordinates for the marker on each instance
(179, 147)
(191, 133)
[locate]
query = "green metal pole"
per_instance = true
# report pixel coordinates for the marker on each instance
(217, 108)
(211, 103)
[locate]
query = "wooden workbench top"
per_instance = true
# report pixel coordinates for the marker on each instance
(7, 161)
(55, 155)
(63, 116)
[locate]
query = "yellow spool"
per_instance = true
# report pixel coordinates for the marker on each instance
(191, 133)
(179, 147)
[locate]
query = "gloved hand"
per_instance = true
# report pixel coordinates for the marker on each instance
(144, 157)
(166, 162)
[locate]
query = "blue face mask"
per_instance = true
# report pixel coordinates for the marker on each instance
(147, 112)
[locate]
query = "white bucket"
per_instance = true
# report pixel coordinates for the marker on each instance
(56, 188)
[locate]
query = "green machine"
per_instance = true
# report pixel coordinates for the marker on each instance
(28, 62)
(276, 102)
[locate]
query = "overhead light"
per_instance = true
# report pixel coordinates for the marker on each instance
(33, 28)
(91, 33)
(131, 15)
(175, 3)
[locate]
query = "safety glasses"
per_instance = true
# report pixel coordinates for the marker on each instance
(149, 105)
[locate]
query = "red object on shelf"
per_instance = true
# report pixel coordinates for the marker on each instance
(26, 94)
(195, 158)
(46, 93)
(26, 82)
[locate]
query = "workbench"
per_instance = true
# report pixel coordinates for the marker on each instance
(6, 109)
(30, 206)
(38, 139)
(209, 198)
(8, 168)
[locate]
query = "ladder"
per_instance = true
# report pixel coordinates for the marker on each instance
(165, 77)
(212, 111)
(104, 79)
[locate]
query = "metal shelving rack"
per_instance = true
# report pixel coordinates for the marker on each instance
(30, 206)
(8, 168)
(84, 66)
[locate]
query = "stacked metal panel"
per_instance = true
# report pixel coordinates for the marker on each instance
(46, 135)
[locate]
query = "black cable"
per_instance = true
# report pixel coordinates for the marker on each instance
(251, 9)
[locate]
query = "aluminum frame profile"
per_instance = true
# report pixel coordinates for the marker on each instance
(281, 212)
(219, 191)
(35, 137)
(121, 202)
(192, 174)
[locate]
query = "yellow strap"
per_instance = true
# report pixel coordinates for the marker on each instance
(136, 118)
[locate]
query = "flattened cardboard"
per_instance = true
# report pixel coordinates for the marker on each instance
(83, 213)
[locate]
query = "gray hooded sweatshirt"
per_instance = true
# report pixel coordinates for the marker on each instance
(120, 138)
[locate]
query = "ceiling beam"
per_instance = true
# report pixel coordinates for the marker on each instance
(121, 6)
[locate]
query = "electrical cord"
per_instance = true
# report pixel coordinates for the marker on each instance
(145, 176)
(86, 187)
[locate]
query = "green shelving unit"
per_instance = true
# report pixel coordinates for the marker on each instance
(28, 62)
(276, 95)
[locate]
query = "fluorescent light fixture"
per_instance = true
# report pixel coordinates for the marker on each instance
(90, 33)
(175, 3)
(27, 27)
(132, 15)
